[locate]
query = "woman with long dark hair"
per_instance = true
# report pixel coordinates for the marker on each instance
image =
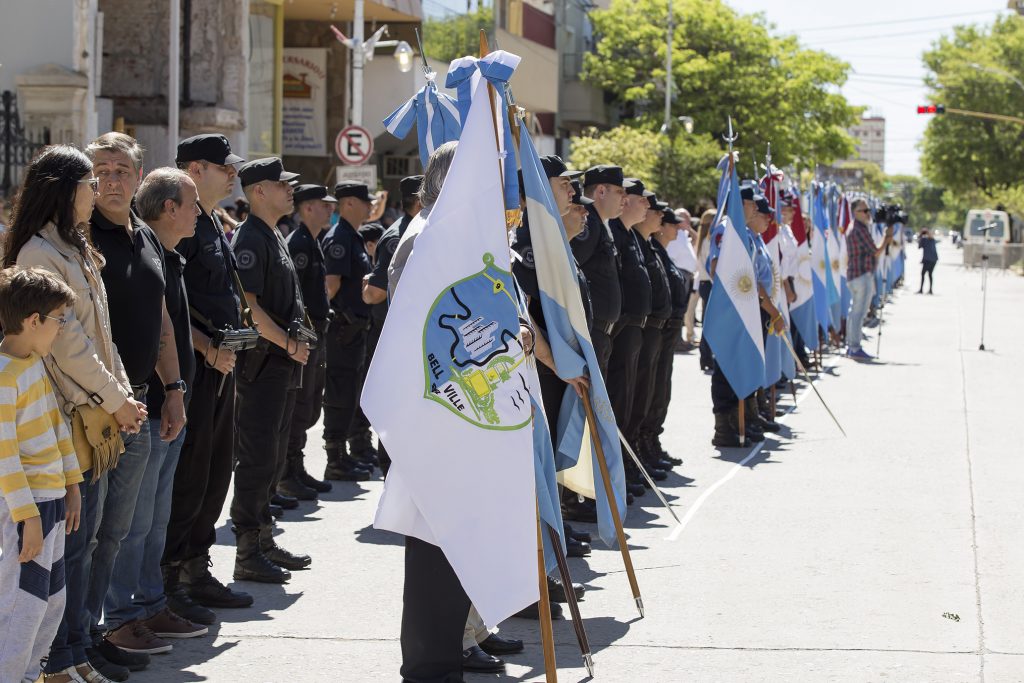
(49, 228)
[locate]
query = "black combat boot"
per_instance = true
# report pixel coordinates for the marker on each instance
(204, 588)
(178, 598)
(764, 410)
(658, 448)
(278, 555)
(307, 478)
(726, 431)
(291, 484)
(340, 468)
(360, 448)
(251, 564)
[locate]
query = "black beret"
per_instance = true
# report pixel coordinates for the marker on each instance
(208, 147)
(353, 188)
(605, 174)
(270, 168)
(554, 167)
(305, 193)
(371, 232)
(578, 198)
(410, 186)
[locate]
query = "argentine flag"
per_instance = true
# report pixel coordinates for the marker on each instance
(435, 115)
(732, 323)
(572, 349)
(820, 261)
(448, 389)
(802, 310)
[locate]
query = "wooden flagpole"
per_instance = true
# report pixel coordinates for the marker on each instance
(610, 495)
(547, 635)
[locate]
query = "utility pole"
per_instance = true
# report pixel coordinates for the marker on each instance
(668, 72)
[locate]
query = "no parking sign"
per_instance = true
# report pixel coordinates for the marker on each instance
(354, 145)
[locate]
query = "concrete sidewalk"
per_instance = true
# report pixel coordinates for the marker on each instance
(894, 554)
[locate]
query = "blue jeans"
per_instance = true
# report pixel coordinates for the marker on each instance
(118, 494)
(68, 648)
(137, 588)
(862, 288)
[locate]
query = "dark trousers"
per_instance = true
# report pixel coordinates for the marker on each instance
(263, 414)
(647, 379)
(602, 349)
(653, 420)
(203, 475)
(434, 612)
(308, 401)
(360, 423)
(622, 367)
(346, 356)
(552, 391)
(723, 398)
(927, 268)
(704, 289)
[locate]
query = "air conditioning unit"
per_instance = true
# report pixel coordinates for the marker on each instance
(401, 166)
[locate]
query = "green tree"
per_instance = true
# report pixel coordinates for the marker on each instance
(968, 70)
(457, 35)
(680, 168)
(723, 64)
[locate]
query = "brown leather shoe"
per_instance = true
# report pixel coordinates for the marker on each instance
(167, 624)
(135, 636)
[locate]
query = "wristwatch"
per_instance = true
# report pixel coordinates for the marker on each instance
(176, 386)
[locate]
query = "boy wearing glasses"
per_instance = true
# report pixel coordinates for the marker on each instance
(39, 472)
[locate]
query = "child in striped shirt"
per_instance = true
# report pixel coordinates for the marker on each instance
(39, 473)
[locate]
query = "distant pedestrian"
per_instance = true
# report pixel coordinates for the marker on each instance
(929, 257)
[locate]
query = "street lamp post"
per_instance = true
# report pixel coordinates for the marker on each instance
(998, 72)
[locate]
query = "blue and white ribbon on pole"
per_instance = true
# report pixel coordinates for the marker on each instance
(436, 116)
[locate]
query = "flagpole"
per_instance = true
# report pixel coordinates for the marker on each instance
(570, 596)
(547, 635)
(610, 495)
(785, 338)
(741, 414)
(650, 482)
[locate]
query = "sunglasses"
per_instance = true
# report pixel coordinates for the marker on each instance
(94, 183)
(62, 321)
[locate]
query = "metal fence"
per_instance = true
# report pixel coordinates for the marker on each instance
(17, 145)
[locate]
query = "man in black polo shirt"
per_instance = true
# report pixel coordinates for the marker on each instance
(375, 283)
(168, 201)
(268, 375)
(314, 206)
(595, 251)
(141, 329)
(204, 467)
(347, 264)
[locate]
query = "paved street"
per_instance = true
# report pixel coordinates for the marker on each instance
(895, 554)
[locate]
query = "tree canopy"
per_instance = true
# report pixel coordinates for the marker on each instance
(723, 64)
(973, 69)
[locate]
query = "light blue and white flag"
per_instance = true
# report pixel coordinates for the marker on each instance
(448, 392)
(435, 114)
(571, 347)
(732, 323)
(820, 259)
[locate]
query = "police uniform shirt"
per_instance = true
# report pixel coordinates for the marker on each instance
(661, 294)
(346, 257)
(386, 246)
(308, 259)
(134, 279)
(177, 310)
(265, 269)
(525, 272)
(676, 280)
(209, 264)
(635, 282)
(595, 251)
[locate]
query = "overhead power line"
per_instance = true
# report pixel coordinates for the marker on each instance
(911, 20)
(825, 42)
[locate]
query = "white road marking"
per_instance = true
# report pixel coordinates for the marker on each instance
(691, 513)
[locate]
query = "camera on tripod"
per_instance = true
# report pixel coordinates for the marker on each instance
(891, 214)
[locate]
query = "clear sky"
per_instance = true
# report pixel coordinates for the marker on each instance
(881, 39)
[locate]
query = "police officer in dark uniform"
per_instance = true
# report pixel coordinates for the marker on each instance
(347, 264)
(595, 251)
(375, 283)
(314, 205)
(627, 336)
(653, 418)
(268, 375)
(203, 474)
(650, 350)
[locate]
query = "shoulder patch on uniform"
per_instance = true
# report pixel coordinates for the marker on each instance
(301, 260)
(246, 259)
(336, 250)
(528, 259)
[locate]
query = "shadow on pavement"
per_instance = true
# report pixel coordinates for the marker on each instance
(377, 537)
(188, 653)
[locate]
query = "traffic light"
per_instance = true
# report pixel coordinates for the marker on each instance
(931, 109)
